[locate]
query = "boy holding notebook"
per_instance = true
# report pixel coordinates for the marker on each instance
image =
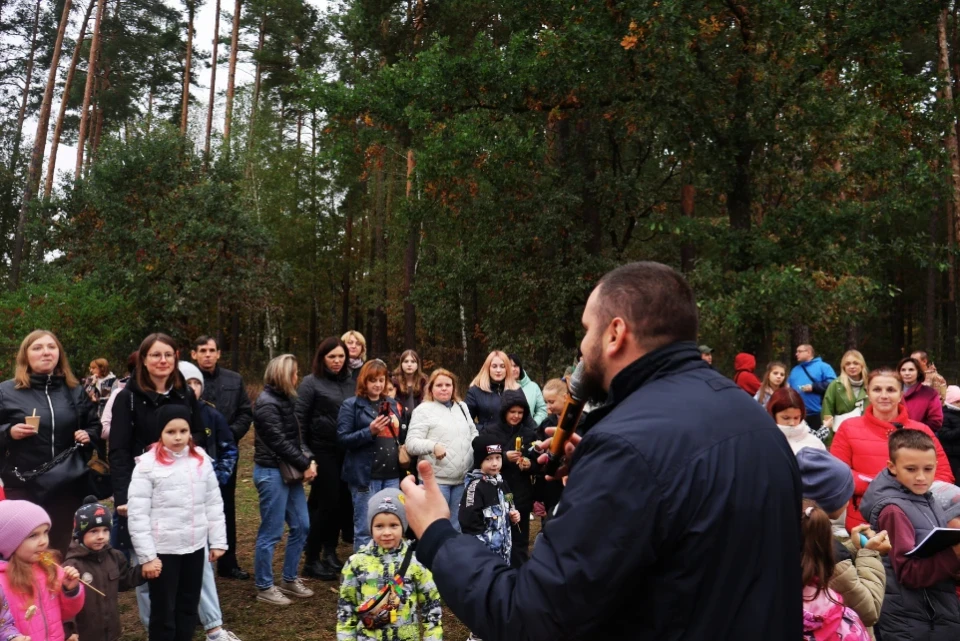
(920, 600)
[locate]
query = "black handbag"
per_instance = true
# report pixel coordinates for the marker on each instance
(69, 466)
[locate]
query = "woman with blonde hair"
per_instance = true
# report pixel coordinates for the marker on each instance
(442, 432)
(486, 388)
(44, 386)
(847, 395)
(356, 350)
(279, 451)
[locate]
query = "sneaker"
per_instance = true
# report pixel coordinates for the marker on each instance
(295, 588)
(473, 638)
(273, 596)
(227, 635)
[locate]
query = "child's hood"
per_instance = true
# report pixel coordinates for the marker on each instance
(474, 475)
(79, 551)
(513, 398)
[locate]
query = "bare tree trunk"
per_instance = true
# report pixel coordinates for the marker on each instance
(88, 91)
(232, 73)
(687, 252)
(18, 133)
(185, 101)
(946, 99)
(39, 144)
(58, 127)
(410, 266)
(213, 86)
(258, 76)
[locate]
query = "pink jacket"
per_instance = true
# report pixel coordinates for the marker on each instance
(53, 608)
(923, 404)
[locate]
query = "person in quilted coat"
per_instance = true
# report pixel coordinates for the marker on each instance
(174, 507)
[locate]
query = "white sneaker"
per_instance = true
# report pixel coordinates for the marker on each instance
(227, 635)
(295, 588)
(273, 596)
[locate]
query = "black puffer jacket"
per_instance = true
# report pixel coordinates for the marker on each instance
(134, 428)
(225, 391)
(520, 482)
(485, 406)
(949, 435)
(62, 412)
(318, 404)
(277, 432)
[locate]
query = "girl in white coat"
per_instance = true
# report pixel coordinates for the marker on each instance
(442, 432)
(174, 506)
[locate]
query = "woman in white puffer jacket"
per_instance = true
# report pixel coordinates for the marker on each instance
(174, 506)
(442, 432)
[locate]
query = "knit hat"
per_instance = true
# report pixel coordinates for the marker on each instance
(172, 411)
(90, 515)
(483, 446)
(825, 478)
(953, 395)
(948, 496)
(189, 370)
(390, 500)
(17, 520)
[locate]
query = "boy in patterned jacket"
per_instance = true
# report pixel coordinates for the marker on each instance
(486, 508)
(385, 592)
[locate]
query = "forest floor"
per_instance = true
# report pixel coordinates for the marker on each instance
(313, 619)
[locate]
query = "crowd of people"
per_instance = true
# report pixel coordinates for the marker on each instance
(877, 453)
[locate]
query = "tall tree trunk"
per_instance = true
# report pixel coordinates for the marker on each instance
(39, 144)
(231, 74)
(257, 77)
(58, 127)
(88, 91)
(21, 115)
(410, 265)
(213, 86)
(687, 195)
(946, 100)
(348, 205)
(185, 100)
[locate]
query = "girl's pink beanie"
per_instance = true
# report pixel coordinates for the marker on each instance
(17, 520)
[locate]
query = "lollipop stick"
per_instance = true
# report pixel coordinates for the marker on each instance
(48, 559)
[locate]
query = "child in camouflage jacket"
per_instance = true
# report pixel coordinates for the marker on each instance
(408, 603)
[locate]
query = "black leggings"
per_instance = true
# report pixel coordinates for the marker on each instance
(175, 597)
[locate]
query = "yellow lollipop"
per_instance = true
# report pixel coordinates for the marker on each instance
(47, 558)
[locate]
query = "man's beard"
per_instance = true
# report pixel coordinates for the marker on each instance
(591, 379)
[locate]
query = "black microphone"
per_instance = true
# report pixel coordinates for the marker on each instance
(569, 419)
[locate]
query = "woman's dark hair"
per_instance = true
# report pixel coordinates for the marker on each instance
(328, 345)
(817, 560)
(516, 361)
(132, 362)
(920, 373)
(144, 381)
(785, 399)
(419, 378)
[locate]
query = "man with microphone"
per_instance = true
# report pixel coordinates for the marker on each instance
(681, 514)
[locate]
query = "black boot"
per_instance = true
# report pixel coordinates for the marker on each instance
(320, 570)
(330, 560)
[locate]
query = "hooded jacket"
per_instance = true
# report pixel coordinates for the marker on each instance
(644, 545)
(109, 571)
(62, 412)
(224, 390)
(816, 373)
(134, 428)
(924, 405)
(520, 481)
(744, 365)
(318, 404)
(175, 508)
(861, 443)
(929, 613)
(433, 422)
(54, 608)
(538, 406)
(485, 512)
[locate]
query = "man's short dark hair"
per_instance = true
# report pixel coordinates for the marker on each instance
(654, 300)
(907, 439)
(203, 340)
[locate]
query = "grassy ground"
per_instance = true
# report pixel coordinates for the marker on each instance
(305, 620)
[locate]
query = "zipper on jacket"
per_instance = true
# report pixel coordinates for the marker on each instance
(43, 612)
(53, 420)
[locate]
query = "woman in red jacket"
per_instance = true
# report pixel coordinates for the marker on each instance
(923, 402)
(861, 442)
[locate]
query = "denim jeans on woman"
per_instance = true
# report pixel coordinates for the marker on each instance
(361, 495)
(453, 494)
(279, 503)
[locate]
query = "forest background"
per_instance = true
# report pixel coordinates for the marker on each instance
(455, 176)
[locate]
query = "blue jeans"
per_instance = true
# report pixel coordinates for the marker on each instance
(361, 495)
(279, 503)
(453, 494)
(210, 615)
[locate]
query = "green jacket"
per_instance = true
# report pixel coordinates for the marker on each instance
(835, 401)
(365, 573)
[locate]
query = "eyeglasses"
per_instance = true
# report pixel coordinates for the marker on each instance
(156, 356)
